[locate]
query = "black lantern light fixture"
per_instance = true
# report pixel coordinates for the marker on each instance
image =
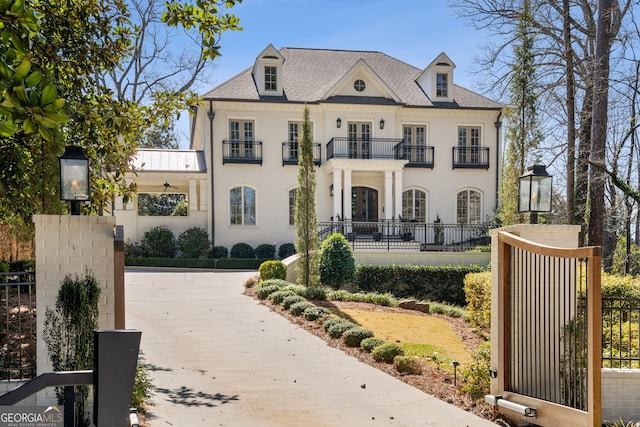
(535, 191)
(381, 123)
(338, 122)
(74, 177)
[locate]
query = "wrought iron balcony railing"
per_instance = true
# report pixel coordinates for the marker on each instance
(366, 148)
(471, 157)
(419, 156)
(290, 153)
(241, 151)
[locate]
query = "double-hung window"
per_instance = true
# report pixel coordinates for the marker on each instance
(242, 206)
(270, 78)
(442, 85)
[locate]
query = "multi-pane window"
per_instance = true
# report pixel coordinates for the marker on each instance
(270, 78)
(359, 135)
(468, 207)
(414, 205)
(242, 206)
(415, 140)
(241, 136)
(468, 144)
(294, 135)
(442, 85)
(292, 206)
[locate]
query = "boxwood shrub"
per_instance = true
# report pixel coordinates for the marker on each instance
(407, 365)
(477, 288)
(286, 250)
(386, 352)
(330, 321)
(314, 293)
(316, 313)
(263, 292)
(272, 269)
(290, 300)
(353, 337)
(434, 283)
(242, 250)
(278, 296)
(298, 308)
(368, 344)
(266, 251)
(338, 329)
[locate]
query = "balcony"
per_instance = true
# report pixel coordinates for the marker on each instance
(242, 151)
(371, 148)
(419, 156)
(290, 153)
(470, 157)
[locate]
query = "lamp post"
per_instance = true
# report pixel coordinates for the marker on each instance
(74, 177)
(535, 190)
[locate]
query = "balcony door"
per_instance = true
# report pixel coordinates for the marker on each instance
(364, 207)
(359, 135)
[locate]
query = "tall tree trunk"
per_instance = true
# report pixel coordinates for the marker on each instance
(571, 119)
(582, 161)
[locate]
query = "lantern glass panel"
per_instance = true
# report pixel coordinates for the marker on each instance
(74, 179)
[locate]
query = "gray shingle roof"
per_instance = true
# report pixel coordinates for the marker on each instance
(309, 74)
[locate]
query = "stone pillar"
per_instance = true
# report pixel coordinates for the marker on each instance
(346, 198)
(398, 194)
(337, 193)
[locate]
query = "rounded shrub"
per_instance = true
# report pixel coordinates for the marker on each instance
(286, 250)
(314, 293)
(386, 352)
(337, 330)
(219, 252)
(353, 337)
(272, 269)
(159, 242)
(298, 308)
(368, 344)
(407, 365)
(263, 292)
(292, 299)
(337, 265)
(330, 321)
(266, 251)
(315, 313)
(298, 289)
(278, 282)
(242, 250)
(278, 296)
(194, 242)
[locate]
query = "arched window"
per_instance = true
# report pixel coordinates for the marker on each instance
(242, 206)
(414, 205)
(468, 207)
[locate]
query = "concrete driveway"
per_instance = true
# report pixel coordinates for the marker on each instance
(219, 358)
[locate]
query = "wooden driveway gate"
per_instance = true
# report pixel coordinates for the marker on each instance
(550, 324)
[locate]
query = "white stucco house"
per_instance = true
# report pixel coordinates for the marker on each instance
(391, 141)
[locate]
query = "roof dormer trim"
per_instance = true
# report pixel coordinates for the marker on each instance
(429, 79)
(361, 68)
(267, 82)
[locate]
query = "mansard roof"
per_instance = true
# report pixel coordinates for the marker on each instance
(311, 76)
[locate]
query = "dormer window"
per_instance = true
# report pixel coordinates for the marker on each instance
(442, 85)
(270, 78)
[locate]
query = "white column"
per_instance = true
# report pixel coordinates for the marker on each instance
(337, 191)
(346, 199)
(398, 194)
(193, 195)
(388, 194)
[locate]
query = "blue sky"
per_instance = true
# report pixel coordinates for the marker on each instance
(414, 31)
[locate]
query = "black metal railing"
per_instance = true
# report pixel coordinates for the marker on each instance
(366, 148)
(290, 153)
(241, 151)
(18, 331)
(620, 333)
(471, 157)
(401, 235)
(419, 156)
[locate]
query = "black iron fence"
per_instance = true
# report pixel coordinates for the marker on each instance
(18, 331)
(397, 235)
(620, 338)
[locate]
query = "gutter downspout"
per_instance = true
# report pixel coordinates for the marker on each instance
(211, 115)
(498, 125)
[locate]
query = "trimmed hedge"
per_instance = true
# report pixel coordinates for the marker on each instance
(433, 283)
(477, 287)
(368, 344)
(222, 263)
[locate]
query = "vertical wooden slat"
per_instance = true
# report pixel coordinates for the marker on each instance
(594, 369)
(504, 330)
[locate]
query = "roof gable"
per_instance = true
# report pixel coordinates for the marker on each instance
(369, 84)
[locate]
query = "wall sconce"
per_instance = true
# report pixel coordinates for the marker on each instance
(74, 177)
(338, 123)
(381, 123)
(535, 190)
(331, 190)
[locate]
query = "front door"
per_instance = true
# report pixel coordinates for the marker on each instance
(364, 207)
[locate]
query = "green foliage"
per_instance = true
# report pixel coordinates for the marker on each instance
(159, 242)
(314, 294)
(620, 257)
(4, 268)
(263, 292)
(141, 388)
(337, 329)
(194, 242)
(330, 321)
(272, 269)
(221, 264)
(298, 308)
(620, 323)
(337, 265)
(368, 344)
(266, 251)
(432, 283)
(386, 300)
(408, 365)
(278, 296)
(354, 336)
(219, 252)
(162, 204)
(133, 250)
(315, 313)
(242, 250)
(446, 309)
(477, 288)
(387, 352)
(305, 216)
(68, 330)
(476, 375)
(292, 299)
(286, 250)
